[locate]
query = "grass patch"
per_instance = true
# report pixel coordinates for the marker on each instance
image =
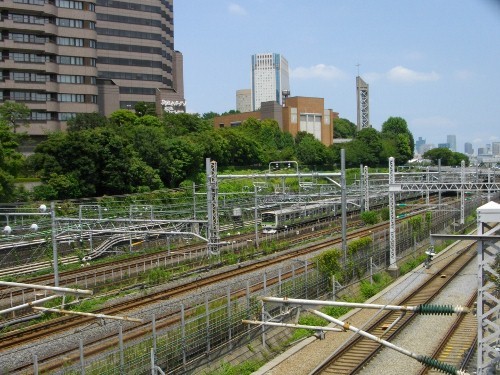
(310, 320)
(245, 368)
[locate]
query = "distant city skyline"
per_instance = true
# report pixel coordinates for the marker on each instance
(434, 72)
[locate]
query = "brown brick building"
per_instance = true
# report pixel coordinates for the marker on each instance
(298, 114)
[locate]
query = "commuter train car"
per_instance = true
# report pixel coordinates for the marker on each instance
(273, 221)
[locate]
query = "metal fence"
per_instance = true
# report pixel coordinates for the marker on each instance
(190, 333)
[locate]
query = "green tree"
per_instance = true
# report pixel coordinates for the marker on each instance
(148, 120)
(213, 145)
(145, 109)
(11, 161)
(343, 128)
(15, 114)
(209, 115)
(230, 112)
(122, 117)
(178, 124)
(85, 121)
(183, 159)
(364, 149)
(398, 140)
(448, 157)
(242, 150)
(312, 152)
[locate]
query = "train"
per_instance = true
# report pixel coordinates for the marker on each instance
(288, 217)
(273, 221)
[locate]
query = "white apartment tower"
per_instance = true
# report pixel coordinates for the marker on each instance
(452, 142)
(269, 78)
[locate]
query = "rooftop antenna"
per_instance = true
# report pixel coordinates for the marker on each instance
(358, 64)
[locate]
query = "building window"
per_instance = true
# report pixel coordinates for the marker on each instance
(28, 38)
(65, 116)
(69, 60)
(293, 115)
(311, 123)
(32, 2)
(40, 116)
(29, 96)
(63, 41)
(68, 22)
(29, 77)
(69, 4)
(25, 18)
(74, 98)
(63, 78)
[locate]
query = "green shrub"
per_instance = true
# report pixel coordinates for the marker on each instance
(370, 217)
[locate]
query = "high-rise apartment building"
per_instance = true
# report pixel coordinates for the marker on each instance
(63, 57)
(468, 148)
(452, 142)
(418, 145)
(269, 78)
(495, 148)
(135, 47)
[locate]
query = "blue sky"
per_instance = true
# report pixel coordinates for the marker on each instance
(435, 63)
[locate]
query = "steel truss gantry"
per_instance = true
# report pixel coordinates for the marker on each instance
(450, 181)
(213, 208)
(488, 262)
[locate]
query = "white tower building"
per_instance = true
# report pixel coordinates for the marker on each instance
(269, 78)
(452, 142)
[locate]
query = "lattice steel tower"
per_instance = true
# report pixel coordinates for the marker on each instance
(362, 101)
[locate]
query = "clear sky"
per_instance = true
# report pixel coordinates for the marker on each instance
(435, 63)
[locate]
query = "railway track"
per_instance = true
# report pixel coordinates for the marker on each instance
(124, 266)
(13, 339)
(358, 351)
(458, 342)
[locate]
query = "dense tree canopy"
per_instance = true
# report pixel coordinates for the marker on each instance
(343, 128)
(14, 114)
(136, 151)
(84, 121)
(398, 140)
(448, 157)
(11, 161)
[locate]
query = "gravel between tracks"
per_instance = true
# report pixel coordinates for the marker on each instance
(421, 337)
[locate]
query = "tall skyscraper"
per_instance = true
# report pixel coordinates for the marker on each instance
(269, 78)
(452, 141)
(418, 145)
(135, 47)
(495, 148)
(63, 57)
(468, 148)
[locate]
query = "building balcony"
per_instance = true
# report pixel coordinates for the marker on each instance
(30, 47)
(42, 9)
(24, 85)
(24, 27)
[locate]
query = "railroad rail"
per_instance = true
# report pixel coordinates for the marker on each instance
(13, 339)
(458, 341)
(358, 351)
